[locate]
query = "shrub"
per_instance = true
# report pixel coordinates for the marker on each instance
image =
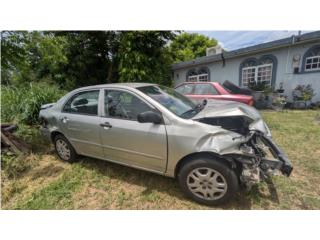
(22, 104)
(261, 86)
(303, 93)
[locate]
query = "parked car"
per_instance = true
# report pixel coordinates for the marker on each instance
(211, 90)
(211, 148)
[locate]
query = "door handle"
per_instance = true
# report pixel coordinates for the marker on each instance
(106, 125)
(64, 119)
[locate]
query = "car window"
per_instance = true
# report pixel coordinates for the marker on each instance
(185, 89)
(205, 89)
(123, 105)
(83, 103)
(170, 99)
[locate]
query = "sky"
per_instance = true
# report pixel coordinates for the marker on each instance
(231, 40)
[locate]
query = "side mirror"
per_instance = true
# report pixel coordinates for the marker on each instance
(204, 102)
(149, 117)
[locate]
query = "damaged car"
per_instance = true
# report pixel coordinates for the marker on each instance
(212, 148)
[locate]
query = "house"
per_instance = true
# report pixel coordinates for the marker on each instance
(286, 62)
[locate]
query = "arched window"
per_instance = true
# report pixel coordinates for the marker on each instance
(192, 75)
(257, 71)
(200, 75)
(311, 59)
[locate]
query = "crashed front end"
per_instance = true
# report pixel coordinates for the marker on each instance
(253, 150)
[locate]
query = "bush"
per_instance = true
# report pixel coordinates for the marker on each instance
(261, 86)
(303, 93)
(22, 104)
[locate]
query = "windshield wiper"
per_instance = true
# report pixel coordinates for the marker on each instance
(196, 109)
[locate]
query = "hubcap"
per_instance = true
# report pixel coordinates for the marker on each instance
(63, 149)
(207, 183)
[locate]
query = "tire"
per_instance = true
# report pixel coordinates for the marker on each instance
(208, 181)
(64, 149)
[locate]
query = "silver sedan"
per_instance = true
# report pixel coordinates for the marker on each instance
(211, 148)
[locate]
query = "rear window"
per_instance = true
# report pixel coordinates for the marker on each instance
(83, 103)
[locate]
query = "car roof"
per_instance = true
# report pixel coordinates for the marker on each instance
(121, 85)
(185, 83)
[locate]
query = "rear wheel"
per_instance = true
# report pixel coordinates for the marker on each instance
(64, 149)
(208, 181)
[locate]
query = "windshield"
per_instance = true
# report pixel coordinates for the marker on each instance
(172, 100)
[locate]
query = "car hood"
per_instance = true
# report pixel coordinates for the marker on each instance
(224, 109)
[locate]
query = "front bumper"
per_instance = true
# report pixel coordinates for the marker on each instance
(284, 164)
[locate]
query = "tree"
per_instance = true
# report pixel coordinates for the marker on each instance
(80, 58)
(91, 57)
(188, 46)
(143, 56)
(12, 53)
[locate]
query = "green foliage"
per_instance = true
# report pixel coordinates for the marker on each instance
(12, 165)
(303, 93)
(188, 46)
(143, 57)
(91, 58)
(22, 104)
(12, 53)
(260, 86)
(72, 59)
(57, 194)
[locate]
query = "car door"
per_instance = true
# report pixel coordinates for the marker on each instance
(127, 141)
(80, 123)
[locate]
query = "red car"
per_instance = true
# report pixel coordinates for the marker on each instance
(211, 90)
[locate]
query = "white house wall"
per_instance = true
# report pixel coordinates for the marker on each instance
(284, 73)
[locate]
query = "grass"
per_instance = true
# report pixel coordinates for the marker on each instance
(94, 184)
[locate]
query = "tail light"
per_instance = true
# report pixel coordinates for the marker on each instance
(250, 102)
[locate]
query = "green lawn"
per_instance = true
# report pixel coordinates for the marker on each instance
(45, 182)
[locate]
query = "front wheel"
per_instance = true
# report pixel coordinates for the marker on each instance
(208, 181)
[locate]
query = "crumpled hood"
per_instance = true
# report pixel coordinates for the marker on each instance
(223, 108)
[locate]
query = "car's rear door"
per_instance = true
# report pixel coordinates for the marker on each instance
(127, 141)
(80, 122)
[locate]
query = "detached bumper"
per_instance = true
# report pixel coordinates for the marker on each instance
(284, 165)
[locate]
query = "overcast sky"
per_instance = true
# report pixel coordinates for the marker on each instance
(231, 40)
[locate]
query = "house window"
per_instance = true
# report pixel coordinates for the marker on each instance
(257, 71)
(257, 74)
(311, 59)
(312, 63)
(192, 76)
(264, 74)
(248, 75)
(203, 78)
(202, 75)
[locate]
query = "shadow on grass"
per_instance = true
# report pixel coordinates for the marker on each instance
(169, 186)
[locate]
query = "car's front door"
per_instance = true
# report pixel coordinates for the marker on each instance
(80, 123)
(127, 141)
